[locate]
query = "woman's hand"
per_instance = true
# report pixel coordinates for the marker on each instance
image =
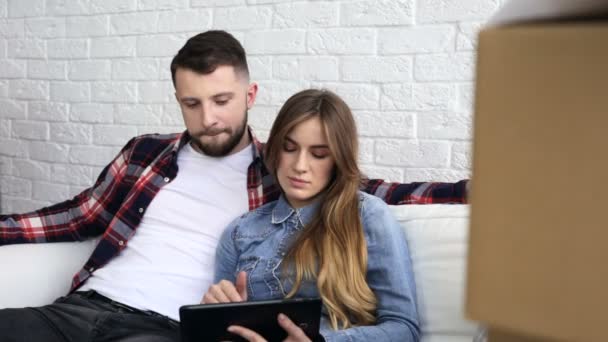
(294, 333)
(226, 292)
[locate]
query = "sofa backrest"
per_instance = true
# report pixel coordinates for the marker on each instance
(437, 238)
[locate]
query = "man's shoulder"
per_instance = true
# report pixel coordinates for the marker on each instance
(146, 148)
(153, 142)
(158, 138)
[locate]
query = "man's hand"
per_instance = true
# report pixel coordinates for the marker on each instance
(294, 333)
(226, 292)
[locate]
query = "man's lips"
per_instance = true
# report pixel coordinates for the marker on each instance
(212, 132)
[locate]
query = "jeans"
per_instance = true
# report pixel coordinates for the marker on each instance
(86, 316)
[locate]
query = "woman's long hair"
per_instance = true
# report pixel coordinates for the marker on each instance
(332, 247)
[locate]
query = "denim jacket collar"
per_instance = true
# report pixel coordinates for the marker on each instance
(282, 211)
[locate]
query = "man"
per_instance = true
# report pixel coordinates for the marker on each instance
(160, 207)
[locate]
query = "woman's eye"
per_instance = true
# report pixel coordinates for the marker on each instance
(320, 155)
(289, 148)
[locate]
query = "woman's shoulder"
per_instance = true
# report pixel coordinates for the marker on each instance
(370, 203)
(258, 213)
(376, 215)
(254, 217)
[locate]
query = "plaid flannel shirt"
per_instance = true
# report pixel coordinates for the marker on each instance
(114, 206)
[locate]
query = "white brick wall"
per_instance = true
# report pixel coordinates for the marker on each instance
(78, 78)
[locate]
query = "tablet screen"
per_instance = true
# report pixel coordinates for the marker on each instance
(208, 322)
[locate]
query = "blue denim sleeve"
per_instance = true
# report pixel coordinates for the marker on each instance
(226, 255)
(390, 277)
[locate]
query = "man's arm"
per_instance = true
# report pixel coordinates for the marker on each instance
(84, 216)
(417, 193)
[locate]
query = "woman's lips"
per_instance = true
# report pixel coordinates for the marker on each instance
(297, 182)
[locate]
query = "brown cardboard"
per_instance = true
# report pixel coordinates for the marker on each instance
(538, 249)
(497, 335)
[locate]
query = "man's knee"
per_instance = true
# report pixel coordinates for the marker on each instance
(25, 324)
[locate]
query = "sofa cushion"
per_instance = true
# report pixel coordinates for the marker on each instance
(437, 237)
(37, 274)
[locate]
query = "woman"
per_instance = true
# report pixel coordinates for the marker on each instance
(322, 237)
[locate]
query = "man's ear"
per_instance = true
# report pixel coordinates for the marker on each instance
(252, 91)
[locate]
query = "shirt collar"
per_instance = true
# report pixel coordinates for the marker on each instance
(282, 211)
(256, 146)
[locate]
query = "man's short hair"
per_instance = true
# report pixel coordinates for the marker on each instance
(206, 51)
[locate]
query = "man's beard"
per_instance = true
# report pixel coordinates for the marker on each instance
(221, 149)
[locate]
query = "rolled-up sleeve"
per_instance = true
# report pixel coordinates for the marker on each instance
(390, 277)
(226, 255)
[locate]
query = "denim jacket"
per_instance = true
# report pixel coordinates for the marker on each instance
(257, 242)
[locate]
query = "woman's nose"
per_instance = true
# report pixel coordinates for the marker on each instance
(301, 163)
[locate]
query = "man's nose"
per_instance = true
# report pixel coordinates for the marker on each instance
(208, 118)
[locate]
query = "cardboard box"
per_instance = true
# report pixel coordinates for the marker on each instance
(539, 230)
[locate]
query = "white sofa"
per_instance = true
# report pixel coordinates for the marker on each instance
(437, 235)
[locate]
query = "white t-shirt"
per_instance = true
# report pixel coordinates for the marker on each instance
(169, 261)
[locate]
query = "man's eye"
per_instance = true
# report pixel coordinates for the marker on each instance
(191, 105)
(221, 103)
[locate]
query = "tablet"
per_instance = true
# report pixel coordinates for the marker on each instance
(208, 322)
